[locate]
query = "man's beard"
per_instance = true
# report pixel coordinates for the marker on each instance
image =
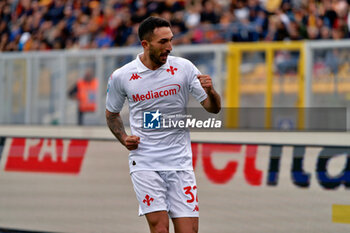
(156, 59)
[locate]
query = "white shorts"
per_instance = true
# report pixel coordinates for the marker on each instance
(171, 191)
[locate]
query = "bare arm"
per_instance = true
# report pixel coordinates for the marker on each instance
(115, 124)
(213, 102)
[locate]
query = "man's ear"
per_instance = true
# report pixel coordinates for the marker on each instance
(144, 44)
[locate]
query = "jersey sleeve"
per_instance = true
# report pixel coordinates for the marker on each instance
(195, 87)
(115, 94)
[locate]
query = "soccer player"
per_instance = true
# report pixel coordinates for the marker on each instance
(160, 161)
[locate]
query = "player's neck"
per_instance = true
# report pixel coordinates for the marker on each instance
(146, 60)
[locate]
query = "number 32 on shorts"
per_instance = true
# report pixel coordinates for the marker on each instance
(189, 191)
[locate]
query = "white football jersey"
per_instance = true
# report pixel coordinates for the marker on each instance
(153, 93)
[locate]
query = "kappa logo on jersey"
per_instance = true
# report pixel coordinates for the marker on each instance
(151, 120)
(168, 90)
(46, 155)
(172, 70)
(135, 77)
(148, 200)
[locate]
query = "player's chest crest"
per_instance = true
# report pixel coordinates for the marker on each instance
(172, 70)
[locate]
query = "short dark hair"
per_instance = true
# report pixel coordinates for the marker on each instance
(148, 25)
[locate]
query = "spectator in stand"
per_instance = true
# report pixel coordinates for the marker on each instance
(84, 91)
(208, 14)
(27, 25)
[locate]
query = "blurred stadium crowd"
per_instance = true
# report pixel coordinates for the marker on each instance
(81, 24)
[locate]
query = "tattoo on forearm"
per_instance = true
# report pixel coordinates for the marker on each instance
(115, 124)
(214, 103)
(215, 98)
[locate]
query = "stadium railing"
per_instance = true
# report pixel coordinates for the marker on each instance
(34, 85)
